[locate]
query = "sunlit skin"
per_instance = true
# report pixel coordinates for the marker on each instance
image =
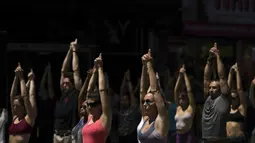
(67, 85)
(214, 89)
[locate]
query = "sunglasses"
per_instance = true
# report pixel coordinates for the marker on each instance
(93, 104)
(147, 102)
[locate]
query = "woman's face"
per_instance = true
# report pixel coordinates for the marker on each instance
(183, 99)
(93, 106)
(83, 109)
(19, 108)
(149, 104)
(235, 101)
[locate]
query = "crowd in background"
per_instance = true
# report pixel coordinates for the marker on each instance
(156, 110)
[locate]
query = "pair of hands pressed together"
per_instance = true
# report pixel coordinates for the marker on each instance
(98, 62)
(74, 45)
(147, 57)
(19, 73)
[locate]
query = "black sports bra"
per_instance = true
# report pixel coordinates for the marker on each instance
(235, 117)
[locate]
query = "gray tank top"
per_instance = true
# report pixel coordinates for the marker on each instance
(214, 117)
(151, 135)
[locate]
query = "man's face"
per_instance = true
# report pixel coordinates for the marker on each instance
(67, 85)
(214, 88)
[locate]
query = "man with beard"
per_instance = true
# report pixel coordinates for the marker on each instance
(216, 105)
(66, 111)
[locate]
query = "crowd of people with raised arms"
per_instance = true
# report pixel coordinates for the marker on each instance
(90, 112)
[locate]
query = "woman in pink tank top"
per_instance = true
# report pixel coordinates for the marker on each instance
(23, 108)
(98, 106)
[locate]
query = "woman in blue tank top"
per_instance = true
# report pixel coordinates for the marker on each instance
(153, 108)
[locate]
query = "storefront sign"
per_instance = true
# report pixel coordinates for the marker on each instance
(226, 30)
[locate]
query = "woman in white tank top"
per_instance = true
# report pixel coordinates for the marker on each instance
(153, 108)
(139, 127)
(185, 110)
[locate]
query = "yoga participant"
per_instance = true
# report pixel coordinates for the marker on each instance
(153, 108)
(66, 111)
(216, 106)
(129, 112)
(252, 100)
(99, 108)
(236, 117)
(185, 108)
(3, 121)
(77, 130)
(45, 105)
(23, 108)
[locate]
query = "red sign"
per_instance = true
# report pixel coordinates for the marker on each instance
(213, 29)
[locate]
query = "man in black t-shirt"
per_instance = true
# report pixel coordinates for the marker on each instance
(66, 111)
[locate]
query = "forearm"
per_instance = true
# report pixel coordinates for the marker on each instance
(143, 80)
(187, 83)
(131, 92)
(220, 68)
(152, 77)
(14, 87)
(28, 84)
(189, 89)
(230, 80)
(92, 82)
(177, 87)
(208, 71)
(23, 87)
(75, 62)
(84, 88)
(32, 94)
(238, 82)
(122, 87)
(101, 79)
(50, 85)
(105, 101)
(66, 63)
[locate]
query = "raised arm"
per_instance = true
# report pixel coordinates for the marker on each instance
(240, 92)
(192, 104)
(32, 94)
(123, 84)
(177, 88)
(65, 65)
(162, 121)
(42, 88)
(230, 77)
(76, 71)
(13, 93)
(28, 84)
(83, 92)
(50, 83)
(30, 117)
(143, 84)
(252, 93)
(130, 89)
(207, 75)
(106, 117)
(220, 69)
(92, 81)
